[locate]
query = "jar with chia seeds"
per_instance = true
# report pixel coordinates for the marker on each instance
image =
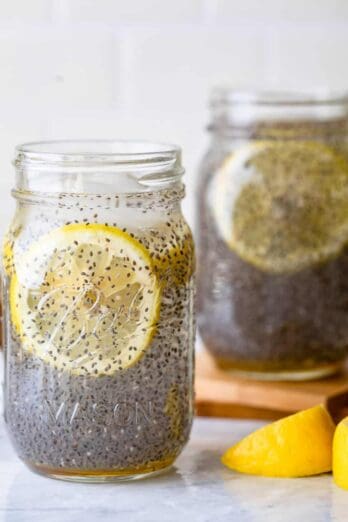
(273, 234)
(98, 269)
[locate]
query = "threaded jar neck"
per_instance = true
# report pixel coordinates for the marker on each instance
(97, 167)
(277, 114)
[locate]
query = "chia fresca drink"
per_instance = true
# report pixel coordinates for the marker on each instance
(98, 265)
(272, 231)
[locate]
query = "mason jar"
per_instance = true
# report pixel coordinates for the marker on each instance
(98, 300)
(272, 230)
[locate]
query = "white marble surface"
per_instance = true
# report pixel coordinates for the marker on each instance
(198, 489)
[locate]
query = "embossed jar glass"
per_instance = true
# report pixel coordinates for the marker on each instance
(98, 299)
(272, 230)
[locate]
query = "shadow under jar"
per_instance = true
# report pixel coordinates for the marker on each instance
(272, 231)
(98, 264)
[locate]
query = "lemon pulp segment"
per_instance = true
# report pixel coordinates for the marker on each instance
(174, 260)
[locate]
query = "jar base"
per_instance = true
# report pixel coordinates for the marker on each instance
(307, 374)
(102, 476)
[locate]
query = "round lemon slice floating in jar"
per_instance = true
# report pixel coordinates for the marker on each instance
(282, 206)
(85, 299)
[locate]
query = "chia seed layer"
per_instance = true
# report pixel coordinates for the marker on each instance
(260, 321)
(120, 422)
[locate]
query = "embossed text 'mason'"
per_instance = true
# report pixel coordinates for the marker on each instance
(121, 413)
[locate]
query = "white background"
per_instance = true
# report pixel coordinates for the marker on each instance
(144, 68)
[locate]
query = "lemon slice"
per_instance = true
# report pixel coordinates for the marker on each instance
(296, 446)
(282, 206)
(85, 298)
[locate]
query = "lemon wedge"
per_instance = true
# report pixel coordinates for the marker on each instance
(340, 454)
(85, 298)
(296, 446)
(282, 206)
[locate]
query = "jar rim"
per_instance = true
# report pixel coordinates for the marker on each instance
(96, 152)
(312, 112)
(152, 165)
(224, 95)
(98, 147)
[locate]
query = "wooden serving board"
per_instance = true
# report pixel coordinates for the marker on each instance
(221, 394)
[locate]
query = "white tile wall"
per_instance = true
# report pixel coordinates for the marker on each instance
(47, 69)
(293, 11)
(143, 68)
(309, 55)
(25, 11)
(136, 11)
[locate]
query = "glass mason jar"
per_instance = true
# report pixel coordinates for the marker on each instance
(98, 300)
(273, 234)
